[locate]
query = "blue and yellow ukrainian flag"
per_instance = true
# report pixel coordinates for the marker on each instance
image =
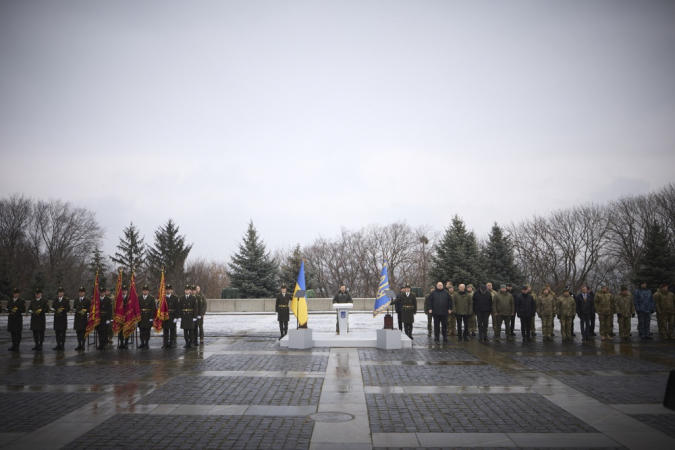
(382, 301)
(299, 305)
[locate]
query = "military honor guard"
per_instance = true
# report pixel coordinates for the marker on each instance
(38, 309)
(122, 342)
(106, 319)
(282, 306)
(187, 316)
(201, 311)
(61, 307)
(16, 306)
(408, 310)
(169, 326)
(81, 307)
(148, 308)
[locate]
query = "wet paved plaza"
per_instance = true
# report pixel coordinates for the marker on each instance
(241, 391)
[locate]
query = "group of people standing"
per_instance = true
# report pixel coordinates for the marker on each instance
(468, 310)
(188, 311)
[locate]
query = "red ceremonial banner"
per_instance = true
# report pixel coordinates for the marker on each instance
(163, 310)
(132, 315)
(94, 310)
(118, 311)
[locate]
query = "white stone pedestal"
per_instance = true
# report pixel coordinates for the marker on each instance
(389, 339)
(300, 338)
(342, 310)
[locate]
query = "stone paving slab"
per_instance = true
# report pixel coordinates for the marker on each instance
(636, 389)
(539, 346)
(185, 431)
(247, 345)
(24, 412)
(665, 423)
(588, 363)
(79, 374)
(428, 375)
(112, 355)
(469, 413)
(190, 390)
(308, 363)
(499, 448)
(416, 354)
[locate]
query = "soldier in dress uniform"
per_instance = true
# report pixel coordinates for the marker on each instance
(148, 308)
(106, 319)
(16, 306)
(81, 307)
(169, 326)
(187, 315)
(281, 307)
(201, 310)
(123, 343)
(61, 307)
(38, 322)
(408, 310)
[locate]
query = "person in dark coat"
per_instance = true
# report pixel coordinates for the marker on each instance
(282, 306)
(106, 307)
(187, 316)
(38, 322)
(585, 310)
(525, 309)
(81, 307)
(169, 326)
(397, 307)
(430, 317)
(408, 310)
(199, 331)
(148, 306)
(482, 306)
(439, 305)
(16, 306)
(341, 297)
(61, 307)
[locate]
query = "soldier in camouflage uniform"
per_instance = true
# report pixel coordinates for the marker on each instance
(567, 309)
(503, 308)
(473, 322)
(452, 318)
(533, 327)
(604, 307)
(625, 309)
(547, 307)
(665, 310)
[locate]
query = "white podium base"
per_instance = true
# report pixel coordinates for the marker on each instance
(299, 339)
(389, 339)
(352, 340)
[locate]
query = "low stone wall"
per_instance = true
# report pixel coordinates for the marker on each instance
(267, 304)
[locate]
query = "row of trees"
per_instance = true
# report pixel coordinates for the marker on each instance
(54, 243)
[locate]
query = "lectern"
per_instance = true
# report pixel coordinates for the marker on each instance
(342, 310)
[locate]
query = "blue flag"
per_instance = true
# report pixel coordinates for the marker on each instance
(382, 301)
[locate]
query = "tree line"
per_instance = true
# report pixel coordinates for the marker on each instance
(51, 243)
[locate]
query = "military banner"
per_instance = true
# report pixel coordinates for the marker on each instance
(382, 301)
(132, 315)
(163, 309)
(94, 310)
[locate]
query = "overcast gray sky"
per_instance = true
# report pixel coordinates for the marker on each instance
(344, 113)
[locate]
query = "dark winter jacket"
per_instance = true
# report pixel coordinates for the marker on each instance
(439, 303)
(644, 301)
(525, 306)
(482, 302)
(584, 307)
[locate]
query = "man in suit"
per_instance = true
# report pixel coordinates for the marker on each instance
(585, 310)
(187, 315)
(81, 307)
(439, 305)
(341, 297)
(16, 306)
(148, 308)
(61, 307)
(281, 306)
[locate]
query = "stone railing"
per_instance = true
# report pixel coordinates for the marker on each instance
(267, 305)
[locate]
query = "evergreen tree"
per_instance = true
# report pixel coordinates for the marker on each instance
(98, 264)
(289, 271)
(131, 254)
(252, 271)
(499, 261)
(657, 263)
(170, 252)
(457, 257)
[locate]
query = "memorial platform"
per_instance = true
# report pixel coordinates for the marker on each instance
(351, 340)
